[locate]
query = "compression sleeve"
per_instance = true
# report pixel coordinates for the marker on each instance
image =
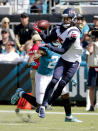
(49, 38)
(66, 45)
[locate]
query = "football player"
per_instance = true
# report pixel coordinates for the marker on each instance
(70, 59)
(48, 60)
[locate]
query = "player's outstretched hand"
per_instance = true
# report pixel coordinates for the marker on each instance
(38, 30)
(33, 63)
(35, 26)
(43, 45)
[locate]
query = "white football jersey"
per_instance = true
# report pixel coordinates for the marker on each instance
(74, 52)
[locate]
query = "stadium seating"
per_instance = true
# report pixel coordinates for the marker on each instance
(83, 9)
(6, 10)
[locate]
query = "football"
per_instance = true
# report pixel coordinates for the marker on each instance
(43, 24)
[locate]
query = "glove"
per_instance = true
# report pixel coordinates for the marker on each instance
(36, 28)
(31, 64)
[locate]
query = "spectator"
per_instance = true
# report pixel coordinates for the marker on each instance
(24, 31)
(25, 51)
(27, 46)
(84, 29)
(38, 6)
(10, 53)
(32, 44)
(5, 24)
(93, 71)
(37, 41)
(5, 38)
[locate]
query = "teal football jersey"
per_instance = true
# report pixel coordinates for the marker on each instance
(48, 62)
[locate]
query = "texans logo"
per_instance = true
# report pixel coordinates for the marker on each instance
(73, 35)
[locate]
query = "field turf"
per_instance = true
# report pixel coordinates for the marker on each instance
(54, 121)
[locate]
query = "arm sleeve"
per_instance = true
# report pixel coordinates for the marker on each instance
(66, 45)
(49, 38)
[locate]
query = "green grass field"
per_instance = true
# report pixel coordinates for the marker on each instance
(54, 120)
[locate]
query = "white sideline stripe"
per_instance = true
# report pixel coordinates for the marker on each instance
(12, 124)
(58, 113)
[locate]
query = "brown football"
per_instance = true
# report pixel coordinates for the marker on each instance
(43, 24)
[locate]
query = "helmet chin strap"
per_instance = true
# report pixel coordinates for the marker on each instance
(56, 44)
(72, 23)
(66, 25)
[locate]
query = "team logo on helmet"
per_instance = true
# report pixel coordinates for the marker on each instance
(69, 12)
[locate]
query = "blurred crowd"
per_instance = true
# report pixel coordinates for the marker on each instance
(29, 6)
(40, 6)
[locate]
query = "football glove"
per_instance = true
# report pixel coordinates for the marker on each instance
(36, 28)
(31, 64)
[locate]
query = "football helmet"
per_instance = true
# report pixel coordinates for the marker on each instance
(68, 17)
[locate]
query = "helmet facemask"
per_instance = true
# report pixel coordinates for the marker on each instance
(66, 21)
(56, 43)
(69, 17)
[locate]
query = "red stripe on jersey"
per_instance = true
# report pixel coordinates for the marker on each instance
(74, 35)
